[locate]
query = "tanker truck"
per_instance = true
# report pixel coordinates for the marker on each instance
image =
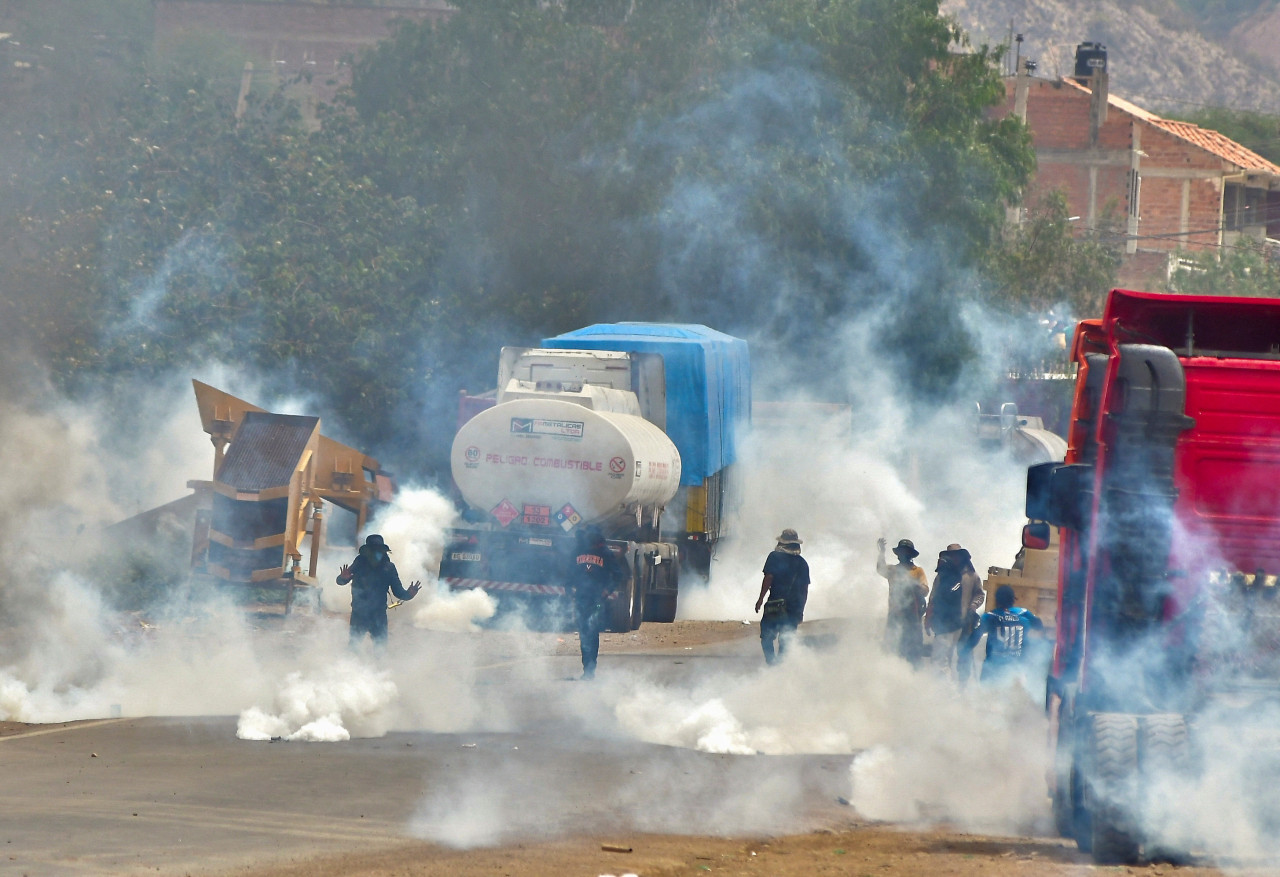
(1165, 681)
(630, 427)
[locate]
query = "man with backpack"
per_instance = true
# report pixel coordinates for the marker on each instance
(786, 582)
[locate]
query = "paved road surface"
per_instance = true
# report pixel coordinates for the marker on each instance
(176, 795)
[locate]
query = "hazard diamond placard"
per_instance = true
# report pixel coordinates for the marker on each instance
(505, 512)
(568, 517)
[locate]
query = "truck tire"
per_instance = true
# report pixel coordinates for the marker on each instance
(1110, 788)
(1165, 747)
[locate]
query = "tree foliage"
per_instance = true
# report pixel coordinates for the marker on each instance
(1245, 268)
(780, 169)
(1044, 265)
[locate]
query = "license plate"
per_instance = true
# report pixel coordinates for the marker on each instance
(465, 555)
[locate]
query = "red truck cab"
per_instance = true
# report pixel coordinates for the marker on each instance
(1168, 506)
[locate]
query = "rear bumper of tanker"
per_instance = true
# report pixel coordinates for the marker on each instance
(523, 573)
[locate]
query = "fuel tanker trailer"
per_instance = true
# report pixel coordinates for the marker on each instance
(629, 427)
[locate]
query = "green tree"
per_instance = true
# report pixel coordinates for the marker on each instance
(750, 167)
(164, 232)
(1245, 268)
(1043, 264)
(780, 170)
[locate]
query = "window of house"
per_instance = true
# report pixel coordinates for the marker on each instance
(1243, 206)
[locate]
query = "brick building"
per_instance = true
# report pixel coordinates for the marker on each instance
(286, 39)
(1169, 186)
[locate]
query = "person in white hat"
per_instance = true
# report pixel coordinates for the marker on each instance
(786, 582)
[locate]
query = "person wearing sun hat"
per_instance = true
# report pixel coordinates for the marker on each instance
(957, 594)
(908, 590)
(786, 582)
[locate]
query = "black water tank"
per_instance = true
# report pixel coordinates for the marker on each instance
(1090, 57)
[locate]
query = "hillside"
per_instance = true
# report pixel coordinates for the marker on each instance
(1160, 60)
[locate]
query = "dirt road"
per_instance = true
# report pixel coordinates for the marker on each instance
(546, 798)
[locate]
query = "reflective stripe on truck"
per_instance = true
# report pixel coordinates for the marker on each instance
(468, 584)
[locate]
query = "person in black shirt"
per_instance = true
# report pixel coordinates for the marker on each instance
(371, 575)
(957, 593)
(594, 578)
(786, 581)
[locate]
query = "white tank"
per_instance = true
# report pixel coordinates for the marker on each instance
(554, 463)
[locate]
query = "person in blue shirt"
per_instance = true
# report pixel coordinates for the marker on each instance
(786, 582)
(1006, 630)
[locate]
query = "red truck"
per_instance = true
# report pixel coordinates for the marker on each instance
(1168, 621)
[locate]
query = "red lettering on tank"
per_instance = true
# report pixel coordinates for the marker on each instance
(659, 471)
(561, 463)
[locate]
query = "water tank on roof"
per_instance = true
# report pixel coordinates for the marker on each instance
(1090, 57)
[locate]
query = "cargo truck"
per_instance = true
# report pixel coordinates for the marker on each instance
(629, 427)
(1168, 615)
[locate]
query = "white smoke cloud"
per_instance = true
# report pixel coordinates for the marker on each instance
(457, 612)
(843, 490)
(414, 525)
(344, 699)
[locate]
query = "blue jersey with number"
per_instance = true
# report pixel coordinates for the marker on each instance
(1006, 631)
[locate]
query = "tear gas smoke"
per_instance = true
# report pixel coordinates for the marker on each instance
(344, 699)
(843, 489)
(414, 526)
(920, 749)
(194, 255)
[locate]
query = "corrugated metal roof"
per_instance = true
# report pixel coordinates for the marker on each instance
(1210, 141)
(266, 449)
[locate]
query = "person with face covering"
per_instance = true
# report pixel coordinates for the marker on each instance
(371, 575)
(957, 593)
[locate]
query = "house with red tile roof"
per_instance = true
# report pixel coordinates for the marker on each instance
(1164, 187)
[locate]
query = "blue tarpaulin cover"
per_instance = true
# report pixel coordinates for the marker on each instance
(708, 385)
